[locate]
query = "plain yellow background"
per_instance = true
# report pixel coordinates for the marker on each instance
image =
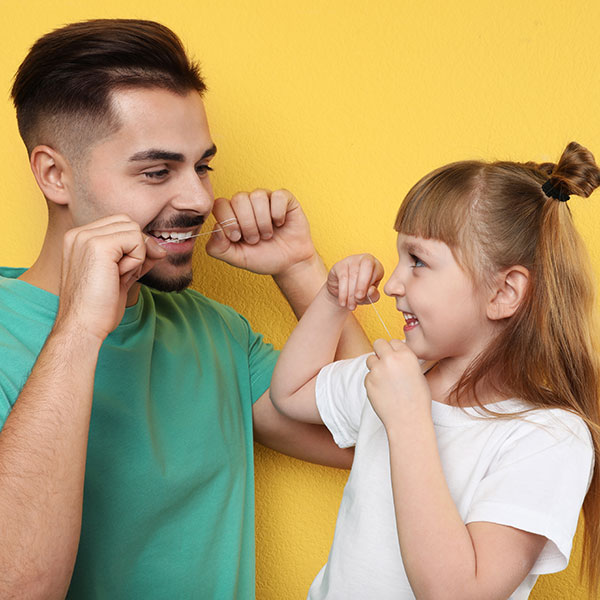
(347, 104)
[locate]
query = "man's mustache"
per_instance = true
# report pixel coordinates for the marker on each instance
(177, 222)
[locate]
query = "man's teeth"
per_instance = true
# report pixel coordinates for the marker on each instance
(173, 235)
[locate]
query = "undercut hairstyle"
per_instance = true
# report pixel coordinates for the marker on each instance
(501, 214)
(62, 90)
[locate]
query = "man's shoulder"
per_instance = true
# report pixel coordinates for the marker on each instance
(11, 272)
(196, 308)
(22, 303)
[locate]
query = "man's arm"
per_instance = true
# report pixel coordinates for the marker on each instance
(268, 233)
(271, 236)
(44, 439)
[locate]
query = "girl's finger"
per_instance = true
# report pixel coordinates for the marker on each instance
(366, 276)
(342, 276)
(372, 360)
(382, 348)
(353, 271)
(373, 294)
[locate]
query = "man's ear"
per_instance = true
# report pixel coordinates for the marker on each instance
(510, 288)
(52, 172)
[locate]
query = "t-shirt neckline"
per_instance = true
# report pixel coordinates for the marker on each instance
(47, 302)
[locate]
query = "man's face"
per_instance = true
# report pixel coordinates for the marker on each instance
(155, 169)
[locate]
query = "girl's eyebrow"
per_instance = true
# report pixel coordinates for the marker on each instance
(413, 247)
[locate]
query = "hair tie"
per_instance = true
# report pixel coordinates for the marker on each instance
(555, 192)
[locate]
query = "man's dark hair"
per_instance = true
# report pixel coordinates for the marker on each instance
(62, 90)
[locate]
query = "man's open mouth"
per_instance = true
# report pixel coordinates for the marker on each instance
(175, 237)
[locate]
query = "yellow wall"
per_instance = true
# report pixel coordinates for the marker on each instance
(346, 103)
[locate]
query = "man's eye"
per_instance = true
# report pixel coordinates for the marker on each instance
(161, 174)
(203, 170)
(417, 261)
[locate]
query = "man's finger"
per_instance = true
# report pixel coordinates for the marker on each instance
(262, 213)
(281, 202)
(225, 216)
(242, 207)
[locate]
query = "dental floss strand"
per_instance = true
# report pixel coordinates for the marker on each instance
(377, 313)
(226, 223)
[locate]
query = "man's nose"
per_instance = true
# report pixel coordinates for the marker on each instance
(195, 194)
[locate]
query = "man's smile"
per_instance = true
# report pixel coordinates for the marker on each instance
(175, 237)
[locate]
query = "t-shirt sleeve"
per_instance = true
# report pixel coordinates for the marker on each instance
(262, 358)
(538, 482)
(5, 408)
(341, 396)
(258, 356)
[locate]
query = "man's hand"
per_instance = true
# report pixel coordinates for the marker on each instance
(264, 232)
(101, 262)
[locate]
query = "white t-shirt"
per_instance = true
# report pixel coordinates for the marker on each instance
(531, 473)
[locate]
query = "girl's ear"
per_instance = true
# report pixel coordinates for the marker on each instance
(52, 173)
(510, 289)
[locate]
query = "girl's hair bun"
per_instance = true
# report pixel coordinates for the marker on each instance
(575, 173)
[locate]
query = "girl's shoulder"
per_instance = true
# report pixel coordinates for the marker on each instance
(553, 424)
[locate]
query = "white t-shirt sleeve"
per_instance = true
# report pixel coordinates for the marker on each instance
(341, 396)
(537, 483)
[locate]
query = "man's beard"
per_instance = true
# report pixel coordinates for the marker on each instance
(170, 284)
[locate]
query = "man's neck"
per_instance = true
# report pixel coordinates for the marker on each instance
(45, 271)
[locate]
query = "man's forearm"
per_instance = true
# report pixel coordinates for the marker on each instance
(300, 284)
(42, 465)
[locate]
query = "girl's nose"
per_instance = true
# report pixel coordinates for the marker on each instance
(394, 286)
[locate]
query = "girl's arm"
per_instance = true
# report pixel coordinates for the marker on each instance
(313, 342)
(443, 557)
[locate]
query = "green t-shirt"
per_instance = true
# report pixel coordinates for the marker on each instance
(168, 507)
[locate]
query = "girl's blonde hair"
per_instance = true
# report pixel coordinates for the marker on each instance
(497, 215)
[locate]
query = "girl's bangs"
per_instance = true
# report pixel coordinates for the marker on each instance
(439, 205)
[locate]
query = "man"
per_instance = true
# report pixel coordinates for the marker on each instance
(151, 394)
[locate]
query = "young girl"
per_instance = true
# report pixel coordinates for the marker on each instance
(468, 478)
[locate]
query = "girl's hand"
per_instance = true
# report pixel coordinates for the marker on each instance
(396, 387)
(353, 280)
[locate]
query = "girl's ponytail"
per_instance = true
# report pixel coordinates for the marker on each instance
(566, 291)
(576, 172)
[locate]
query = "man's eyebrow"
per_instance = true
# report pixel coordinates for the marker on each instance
(155, 154)
(210, 152)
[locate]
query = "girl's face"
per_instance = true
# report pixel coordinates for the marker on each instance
(445, 311)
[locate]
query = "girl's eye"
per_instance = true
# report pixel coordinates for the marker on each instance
(417, 261)
(155, 175)
(203, 170)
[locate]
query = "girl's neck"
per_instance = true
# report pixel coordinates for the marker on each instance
(443, 376)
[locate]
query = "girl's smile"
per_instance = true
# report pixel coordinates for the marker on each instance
(411, 321)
